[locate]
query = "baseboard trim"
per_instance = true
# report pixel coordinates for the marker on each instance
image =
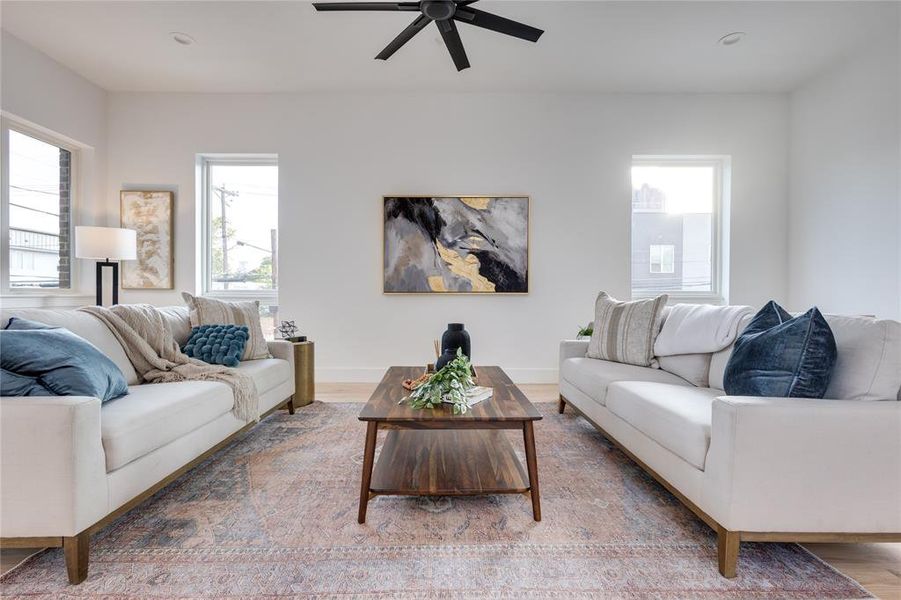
(374, 374)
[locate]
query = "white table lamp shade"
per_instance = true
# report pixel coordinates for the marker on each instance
(101, 243)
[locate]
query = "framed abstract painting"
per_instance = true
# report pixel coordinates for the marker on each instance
(456, 244)
(150, 215)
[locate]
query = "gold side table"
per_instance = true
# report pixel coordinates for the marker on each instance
(304, 381)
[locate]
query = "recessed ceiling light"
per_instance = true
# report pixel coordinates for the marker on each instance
(182, 38)
(730, 39)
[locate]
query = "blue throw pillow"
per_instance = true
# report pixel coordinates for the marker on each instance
(217, 344)
(782, 356)
(39, 360)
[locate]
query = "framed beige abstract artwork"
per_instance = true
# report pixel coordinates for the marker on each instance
(149, 213)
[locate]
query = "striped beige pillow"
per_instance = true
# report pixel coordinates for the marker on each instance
(625, 331)
(207, 311)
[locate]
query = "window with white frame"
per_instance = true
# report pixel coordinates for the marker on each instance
(37, 174)
(677, 208)
(240, 231)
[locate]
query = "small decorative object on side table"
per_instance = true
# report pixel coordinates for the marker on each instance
(288, 331)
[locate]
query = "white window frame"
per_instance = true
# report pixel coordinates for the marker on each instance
(719, 256)
(10, 123)
(205, 255)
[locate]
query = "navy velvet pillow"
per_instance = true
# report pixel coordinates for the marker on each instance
(217, 344)
(39, 360)
(779, 355)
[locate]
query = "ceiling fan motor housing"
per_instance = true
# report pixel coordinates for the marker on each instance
(438, 10)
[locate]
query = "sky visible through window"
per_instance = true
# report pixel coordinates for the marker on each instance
(244, 260)
(687, 189)
(33, 184)
(672, 227)
(34, 205)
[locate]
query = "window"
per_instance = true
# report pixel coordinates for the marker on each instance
(240, 231)
(677, 208)
(663, 258)
(37, 199)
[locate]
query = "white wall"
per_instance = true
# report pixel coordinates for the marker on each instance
(36, 90)
(338, 154)
(845, 209)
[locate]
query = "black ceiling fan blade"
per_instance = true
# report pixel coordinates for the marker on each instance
(465, 2)
(485, 20)
(392, 6)
(453, 42)
(405, 36)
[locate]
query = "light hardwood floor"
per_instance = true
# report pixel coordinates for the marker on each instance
(876, 566)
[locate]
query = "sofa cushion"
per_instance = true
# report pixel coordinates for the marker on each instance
(719, 359)
(676, 417)
(868, 366)
(267, 372)
(592, 376)
(155, 414)
(781, 356)
(83, 325)
(176, 317)
(693, 368)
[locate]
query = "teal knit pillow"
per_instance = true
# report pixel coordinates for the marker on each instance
(217, 344)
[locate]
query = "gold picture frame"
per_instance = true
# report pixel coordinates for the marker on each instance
(151, 214)
(516, 279)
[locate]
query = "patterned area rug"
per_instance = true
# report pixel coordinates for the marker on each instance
(274, 516)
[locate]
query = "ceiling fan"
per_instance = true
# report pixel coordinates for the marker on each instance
(444, 13)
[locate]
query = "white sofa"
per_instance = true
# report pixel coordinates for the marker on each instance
(68, 465)
(761, 469)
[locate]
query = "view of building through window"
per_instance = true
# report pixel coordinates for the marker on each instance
(39, 200)
(243, 232)
(663, 258)
(672, 227)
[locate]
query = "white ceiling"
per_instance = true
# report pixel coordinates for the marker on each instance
(268, 46)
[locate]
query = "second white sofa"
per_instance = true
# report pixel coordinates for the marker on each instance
(761, 469)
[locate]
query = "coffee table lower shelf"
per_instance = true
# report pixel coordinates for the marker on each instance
(451, 462)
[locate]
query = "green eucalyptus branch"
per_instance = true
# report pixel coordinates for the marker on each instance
(449, 384)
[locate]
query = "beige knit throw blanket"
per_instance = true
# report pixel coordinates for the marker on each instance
(149, 345)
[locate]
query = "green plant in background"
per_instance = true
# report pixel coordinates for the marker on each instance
(586, 331)
(449, 384)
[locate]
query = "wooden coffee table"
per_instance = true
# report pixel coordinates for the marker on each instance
(434, 452)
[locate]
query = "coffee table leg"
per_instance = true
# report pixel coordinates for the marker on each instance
(372, 428)
(528, 435)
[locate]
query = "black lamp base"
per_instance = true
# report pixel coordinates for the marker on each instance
(115, 268)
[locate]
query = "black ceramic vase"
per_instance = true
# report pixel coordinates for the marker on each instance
(456, 337)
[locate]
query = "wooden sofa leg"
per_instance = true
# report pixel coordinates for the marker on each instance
(727, 543)
(290, 405)
(562, 406)
(76, 549)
